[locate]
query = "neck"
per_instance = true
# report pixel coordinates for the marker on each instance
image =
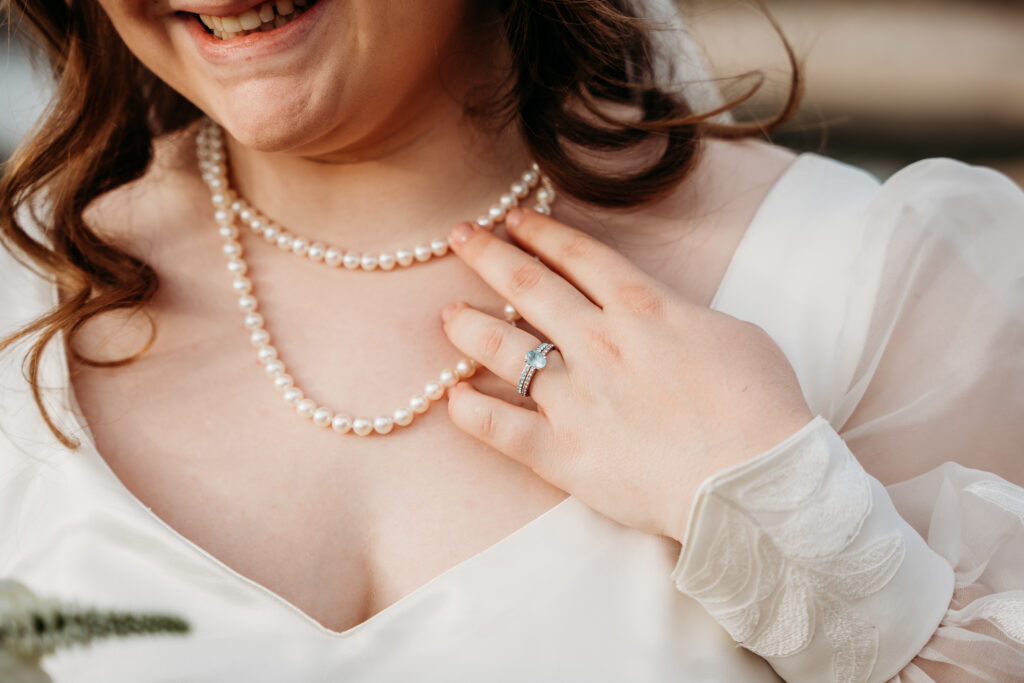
(386, 191)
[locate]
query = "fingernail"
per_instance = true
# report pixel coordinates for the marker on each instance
(448, 311)
(462, 232)
(514, 217)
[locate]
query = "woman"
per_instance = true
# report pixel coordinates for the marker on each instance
(747, 344)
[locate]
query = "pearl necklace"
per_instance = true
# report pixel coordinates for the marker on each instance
(228, 206)
(212, 159)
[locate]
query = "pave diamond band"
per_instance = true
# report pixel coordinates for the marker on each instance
(535, 360)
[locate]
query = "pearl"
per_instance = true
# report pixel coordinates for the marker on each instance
(419, 404)
(383, 424)
(322, 417)
(464, 368)
(433, 390)
(362, 426)
(511, 313)
(543, 208)
(332, 257)
(266, 353)
(352, 260)
(341, 423)
(227, 205)
(404, 257)
(449, 378)
(241, 285)
(305, 407)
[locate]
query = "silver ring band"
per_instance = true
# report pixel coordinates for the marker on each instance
(535, 360)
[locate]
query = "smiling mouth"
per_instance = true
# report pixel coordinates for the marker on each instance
(265, 17)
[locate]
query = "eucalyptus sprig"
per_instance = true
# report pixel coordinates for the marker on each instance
(31, 626)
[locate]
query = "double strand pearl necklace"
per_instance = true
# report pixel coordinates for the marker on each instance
(228, 207)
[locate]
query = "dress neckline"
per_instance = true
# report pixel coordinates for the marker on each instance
(74, 416)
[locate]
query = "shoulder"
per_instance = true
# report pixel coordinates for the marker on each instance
(942, 201)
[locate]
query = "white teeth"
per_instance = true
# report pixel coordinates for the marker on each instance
(249, 20)
(231, 24)
(260, 18)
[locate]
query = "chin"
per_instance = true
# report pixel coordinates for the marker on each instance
(273, 124)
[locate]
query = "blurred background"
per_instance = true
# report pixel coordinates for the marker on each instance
(887, 82)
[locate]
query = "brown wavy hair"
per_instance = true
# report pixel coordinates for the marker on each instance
(108, 108)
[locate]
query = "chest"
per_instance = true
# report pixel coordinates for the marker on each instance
(339, 525)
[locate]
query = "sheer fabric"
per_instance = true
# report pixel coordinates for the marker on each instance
(900, 308)
(939, 378)
(929, 352)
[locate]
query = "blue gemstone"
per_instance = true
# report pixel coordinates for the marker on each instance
(536, 359)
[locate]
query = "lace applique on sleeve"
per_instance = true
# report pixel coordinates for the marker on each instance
(801, 557)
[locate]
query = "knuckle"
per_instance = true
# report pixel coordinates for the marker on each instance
(486, 423)
(602, 344)
(526, 277)
(578, 247)
(492, 342)
(643, 299)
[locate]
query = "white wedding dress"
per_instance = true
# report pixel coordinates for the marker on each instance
(901, 308)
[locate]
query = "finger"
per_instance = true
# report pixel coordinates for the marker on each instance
(549, 302)
(603, 274)
(519, 433)
(500, 347)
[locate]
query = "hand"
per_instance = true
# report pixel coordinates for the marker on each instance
(646, 395)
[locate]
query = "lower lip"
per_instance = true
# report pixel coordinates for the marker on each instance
(254, 45)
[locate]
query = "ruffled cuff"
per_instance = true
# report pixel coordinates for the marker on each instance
(800, 555)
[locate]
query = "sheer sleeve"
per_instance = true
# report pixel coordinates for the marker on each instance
(940, 379)
(885, 540)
